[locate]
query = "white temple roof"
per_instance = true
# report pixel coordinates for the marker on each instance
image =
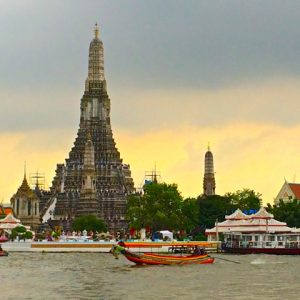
(262, 221)
(237, 215)
(262, 214)
(10, 219)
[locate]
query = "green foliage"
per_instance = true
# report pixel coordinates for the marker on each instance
(89, 223)
(212, 208)
(245, 199)
(55, 234)
(190, 214)
(288, 212)
(28, 235)
(20, 229)
(160, 207)
(21, 232)
(136, 211)
(199, 237)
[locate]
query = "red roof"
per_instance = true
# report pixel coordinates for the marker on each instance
(295, 187)
(6, 210)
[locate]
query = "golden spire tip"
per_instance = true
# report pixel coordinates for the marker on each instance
(96, 30)
(25, 169)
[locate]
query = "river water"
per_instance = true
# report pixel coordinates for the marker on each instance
(100, 276)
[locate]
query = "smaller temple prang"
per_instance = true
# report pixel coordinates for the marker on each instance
(209, 183)
(88, 204)
(26, 204)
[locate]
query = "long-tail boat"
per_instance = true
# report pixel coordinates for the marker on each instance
(159, 259)
(4, 253)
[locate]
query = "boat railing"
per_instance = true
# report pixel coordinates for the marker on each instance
(180, 249)
(263, 244)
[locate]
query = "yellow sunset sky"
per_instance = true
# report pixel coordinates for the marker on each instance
(228, 76)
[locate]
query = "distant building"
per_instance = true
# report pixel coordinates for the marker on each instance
(25, 204)
(209, 182)
(288, 192)
(238, 222)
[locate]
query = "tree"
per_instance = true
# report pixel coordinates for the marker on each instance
(288, 212)
(245, 199)
(158, 208)
(212, 208)
(89, 223)
(136, 211)
(19, 231)
(190, 214)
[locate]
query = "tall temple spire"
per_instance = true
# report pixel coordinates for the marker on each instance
(209, 183)
(94, 178)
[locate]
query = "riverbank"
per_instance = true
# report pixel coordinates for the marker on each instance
(101, 247)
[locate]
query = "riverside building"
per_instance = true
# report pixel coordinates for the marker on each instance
(25, 204)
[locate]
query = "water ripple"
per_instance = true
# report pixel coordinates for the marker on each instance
(100, 276)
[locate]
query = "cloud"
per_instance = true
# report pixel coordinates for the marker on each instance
(41, 149)
(252, 155)
(272, 101)
(39, 109)
(248, 155)
(150, 43)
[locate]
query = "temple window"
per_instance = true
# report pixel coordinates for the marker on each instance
(18, 206)
(29, 208)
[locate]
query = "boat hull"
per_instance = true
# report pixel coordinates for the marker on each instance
(155, 259)
(276, 251)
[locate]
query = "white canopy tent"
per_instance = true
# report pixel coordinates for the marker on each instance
(167, 234)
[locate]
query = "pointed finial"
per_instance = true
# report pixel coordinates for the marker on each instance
(37, 179)
(96, 30)
(208, 146)
(25, 169)
(155, 175)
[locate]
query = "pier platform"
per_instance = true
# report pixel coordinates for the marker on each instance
(102, 247)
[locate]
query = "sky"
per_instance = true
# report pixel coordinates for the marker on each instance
(180, 74)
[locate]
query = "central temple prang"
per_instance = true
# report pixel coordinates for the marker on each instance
(94, 180)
